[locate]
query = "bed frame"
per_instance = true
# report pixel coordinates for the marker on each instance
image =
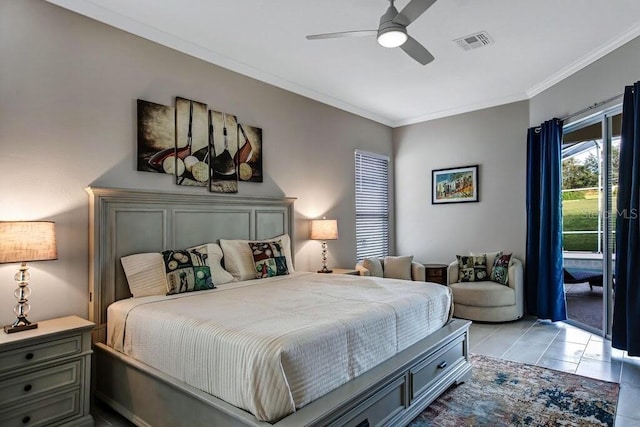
(123, 222)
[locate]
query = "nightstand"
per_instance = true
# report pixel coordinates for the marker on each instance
(45, 374)
(346, 271)
(436, 273)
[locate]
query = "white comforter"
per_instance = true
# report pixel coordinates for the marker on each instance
(270, 346)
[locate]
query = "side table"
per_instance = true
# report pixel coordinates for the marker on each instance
(436, 273)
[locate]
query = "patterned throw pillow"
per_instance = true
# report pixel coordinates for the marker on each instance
(269, 259)
(472, 268)
(500, 270)
(187, 270)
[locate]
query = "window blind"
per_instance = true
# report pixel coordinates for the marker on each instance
(372, 205)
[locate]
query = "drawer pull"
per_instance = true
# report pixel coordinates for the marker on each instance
(442, 364)
(27, 387)
(26, 419)
(28, 356)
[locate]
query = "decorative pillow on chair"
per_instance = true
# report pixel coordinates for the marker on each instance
(398, 267)
(472, 268)
(374, 266)
(187, 270)
(500, 270)
(269, 259)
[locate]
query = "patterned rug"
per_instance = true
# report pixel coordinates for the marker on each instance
(503, 393)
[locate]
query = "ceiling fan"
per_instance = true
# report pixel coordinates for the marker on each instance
(392, 31)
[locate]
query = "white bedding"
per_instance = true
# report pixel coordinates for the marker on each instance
(270, 346)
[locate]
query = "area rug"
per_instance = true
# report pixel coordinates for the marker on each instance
(504, 393)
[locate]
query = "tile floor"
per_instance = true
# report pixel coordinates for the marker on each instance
(553, 345)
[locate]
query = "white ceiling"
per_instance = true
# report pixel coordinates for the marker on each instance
(537, 44)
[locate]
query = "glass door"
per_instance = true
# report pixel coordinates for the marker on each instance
(589, 184)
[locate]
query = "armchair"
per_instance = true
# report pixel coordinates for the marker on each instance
(488, 301)
(397, 268)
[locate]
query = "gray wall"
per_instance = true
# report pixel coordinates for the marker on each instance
(493, 138)
(601, 80)
(68, 90)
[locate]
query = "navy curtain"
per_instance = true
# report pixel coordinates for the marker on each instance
(626, 314)
(544, 284)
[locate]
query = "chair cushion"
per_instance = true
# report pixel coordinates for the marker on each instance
(500, 270)
(472, 268)
(374, 266)
(482, 294)
(398, 267)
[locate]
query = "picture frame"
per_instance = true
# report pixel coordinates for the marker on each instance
(455, 185)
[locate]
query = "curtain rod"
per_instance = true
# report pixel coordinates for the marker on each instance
(591, 107)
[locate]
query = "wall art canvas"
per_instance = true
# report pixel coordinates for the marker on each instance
(191, 161)
(156, 135)
(249, 158)
(455, 185)
(223, 150)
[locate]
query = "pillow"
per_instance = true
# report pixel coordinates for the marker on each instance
(219, 275)
(398, 267)
(145, 274)
(269, 259)
(374, 266)
(238, 259)
(500, 270)
(472, 268)
(187, 270)
(491, 257)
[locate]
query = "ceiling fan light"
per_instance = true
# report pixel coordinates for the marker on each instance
(392, 38)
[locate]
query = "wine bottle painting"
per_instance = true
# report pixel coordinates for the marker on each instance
(223, 150)
(156, 135)
(191, 159)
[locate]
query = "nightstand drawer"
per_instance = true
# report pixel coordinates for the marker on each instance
(30, 355)
(43, 412)
(36, 383)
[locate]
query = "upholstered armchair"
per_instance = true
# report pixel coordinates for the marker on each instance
(486, 300)
(401, 267)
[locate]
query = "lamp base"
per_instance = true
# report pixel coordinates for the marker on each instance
(325, 270)
(9, 329)
(20, 324)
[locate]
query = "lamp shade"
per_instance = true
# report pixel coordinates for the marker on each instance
(324, 229)
(27, 241)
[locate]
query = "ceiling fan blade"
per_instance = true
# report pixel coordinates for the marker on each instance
(417, 51)
(360, 33)
(412, 11)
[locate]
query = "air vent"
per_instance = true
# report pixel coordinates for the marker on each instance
(474, 41)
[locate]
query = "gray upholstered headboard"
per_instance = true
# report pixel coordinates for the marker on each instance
(123, 222)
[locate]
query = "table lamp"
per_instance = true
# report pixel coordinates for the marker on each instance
(22, 241)
(324, 229)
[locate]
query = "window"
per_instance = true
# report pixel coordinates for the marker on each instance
(372, 205)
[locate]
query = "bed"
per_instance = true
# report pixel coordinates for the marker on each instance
(391, 388)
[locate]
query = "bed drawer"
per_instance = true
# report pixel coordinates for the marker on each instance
(33, 354)
(37, 383)
(380, 408)
(426, 373)
(44, 412)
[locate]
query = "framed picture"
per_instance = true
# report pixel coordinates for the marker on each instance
(454, 185)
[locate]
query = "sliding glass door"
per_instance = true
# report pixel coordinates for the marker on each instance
(589, 186)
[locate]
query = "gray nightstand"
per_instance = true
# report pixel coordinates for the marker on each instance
(45, 374)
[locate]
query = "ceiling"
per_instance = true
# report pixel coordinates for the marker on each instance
(536, 44)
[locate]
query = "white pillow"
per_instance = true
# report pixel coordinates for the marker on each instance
(238, 259)
(398, 267)
(219, 275)
(145, 274)
(374, 266)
